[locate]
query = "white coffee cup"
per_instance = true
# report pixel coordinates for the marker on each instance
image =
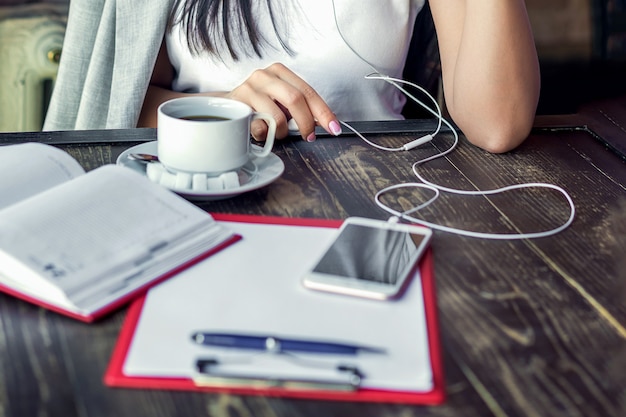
(208, 135)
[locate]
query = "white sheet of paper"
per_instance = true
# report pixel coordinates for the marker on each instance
(255, 286)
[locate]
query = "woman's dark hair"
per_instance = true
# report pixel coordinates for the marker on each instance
(211, 25)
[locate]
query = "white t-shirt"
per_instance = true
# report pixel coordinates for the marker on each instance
(378, 30)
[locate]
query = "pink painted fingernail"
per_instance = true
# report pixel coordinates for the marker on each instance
(335, 128)
(311, 137)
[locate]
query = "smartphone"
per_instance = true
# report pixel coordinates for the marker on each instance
(369, 258)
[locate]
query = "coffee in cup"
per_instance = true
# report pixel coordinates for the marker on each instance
(209, 135)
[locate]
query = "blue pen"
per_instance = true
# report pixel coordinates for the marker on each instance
(278, 345)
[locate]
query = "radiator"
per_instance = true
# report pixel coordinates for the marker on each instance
(31, 38)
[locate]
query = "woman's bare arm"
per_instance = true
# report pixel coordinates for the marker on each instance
(159, 89)
(490, 69)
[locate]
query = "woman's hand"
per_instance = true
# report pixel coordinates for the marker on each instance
(275, 90)
(278, 91)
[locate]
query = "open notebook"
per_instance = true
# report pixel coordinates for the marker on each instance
(255, 288)
(82, 243)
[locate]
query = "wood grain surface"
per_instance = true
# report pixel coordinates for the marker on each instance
(529, 327)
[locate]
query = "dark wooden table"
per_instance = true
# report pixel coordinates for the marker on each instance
(529, 328)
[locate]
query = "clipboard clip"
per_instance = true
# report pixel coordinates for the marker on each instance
(208, 373)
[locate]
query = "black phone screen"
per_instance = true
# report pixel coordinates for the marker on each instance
(371, 254)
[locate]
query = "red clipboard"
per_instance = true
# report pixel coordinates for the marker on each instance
(115, 377)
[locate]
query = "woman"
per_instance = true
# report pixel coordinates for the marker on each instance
(489, 63)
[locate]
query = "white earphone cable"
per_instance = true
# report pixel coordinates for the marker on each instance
(425, 184)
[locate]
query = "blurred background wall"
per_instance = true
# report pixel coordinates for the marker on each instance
(582, 50)
(31, 39)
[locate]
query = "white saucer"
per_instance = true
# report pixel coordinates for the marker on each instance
(257, 173)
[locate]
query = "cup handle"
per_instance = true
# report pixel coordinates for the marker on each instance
(269, 139)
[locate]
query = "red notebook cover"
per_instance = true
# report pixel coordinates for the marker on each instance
(122, 301)
(115, 377)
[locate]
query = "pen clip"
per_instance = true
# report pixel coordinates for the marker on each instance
(208, 374)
